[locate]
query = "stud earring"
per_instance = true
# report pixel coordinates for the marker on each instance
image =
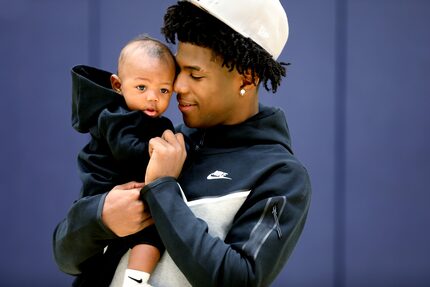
(242, 92)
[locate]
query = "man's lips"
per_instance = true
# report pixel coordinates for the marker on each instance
(185, 105)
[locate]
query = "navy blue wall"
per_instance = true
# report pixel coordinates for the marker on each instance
(356, 98)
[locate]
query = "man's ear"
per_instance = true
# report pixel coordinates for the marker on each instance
(248, 82)
(115, 82)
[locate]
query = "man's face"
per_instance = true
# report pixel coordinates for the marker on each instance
(208, 94)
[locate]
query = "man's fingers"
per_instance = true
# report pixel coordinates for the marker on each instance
(180, 139)
(175, 140)
(130, 185)
(157, 142)
(167, 156)
(164, 143)
(168, 135)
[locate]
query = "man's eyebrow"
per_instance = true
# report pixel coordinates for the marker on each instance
(192, 68)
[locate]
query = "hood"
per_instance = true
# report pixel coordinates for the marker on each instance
(269, 126)
(91, 93)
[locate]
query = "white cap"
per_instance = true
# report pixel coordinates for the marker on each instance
(264, 21)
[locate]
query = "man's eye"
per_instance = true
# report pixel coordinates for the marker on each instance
(195, 77)
(141, 88)
(164, 91)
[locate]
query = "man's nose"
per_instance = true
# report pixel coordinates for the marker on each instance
(180, 85)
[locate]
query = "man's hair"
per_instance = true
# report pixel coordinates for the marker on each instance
(190, 24)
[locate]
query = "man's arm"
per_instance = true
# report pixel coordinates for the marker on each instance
(260, 240)
(94, 220)
(258, 244)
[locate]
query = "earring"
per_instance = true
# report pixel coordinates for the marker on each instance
(242, 92)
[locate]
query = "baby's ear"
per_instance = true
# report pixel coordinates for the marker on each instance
(115, 82)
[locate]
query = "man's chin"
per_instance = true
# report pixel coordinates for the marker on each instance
(188, 122)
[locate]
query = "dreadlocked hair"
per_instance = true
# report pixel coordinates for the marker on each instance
(191, 24)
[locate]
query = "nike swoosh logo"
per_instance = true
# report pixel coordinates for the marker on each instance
(134, 279)
(217, 177)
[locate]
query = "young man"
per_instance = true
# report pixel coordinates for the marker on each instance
(231, 214)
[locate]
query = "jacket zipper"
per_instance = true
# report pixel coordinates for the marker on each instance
(275, 216)
(200, 144)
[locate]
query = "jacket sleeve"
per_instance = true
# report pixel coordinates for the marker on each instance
(81, 234)
(122, 136)
(263, 234)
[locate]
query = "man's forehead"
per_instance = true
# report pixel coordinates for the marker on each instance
(196, 57)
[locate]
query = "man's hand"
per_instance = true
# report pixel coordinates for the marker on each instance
(123, 211)
(167, 156)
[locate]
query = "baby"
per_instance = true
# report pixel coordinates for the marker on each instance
(122, 113)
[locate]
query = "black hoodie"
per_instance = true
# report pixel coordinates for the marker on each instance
(118, 150)
(232, 218)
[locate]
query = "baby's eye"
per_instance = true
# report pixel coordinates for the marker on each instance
(164, 91)
(141, 88)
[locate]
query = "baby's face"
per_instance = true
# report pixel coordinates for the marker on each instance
(147, 83)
